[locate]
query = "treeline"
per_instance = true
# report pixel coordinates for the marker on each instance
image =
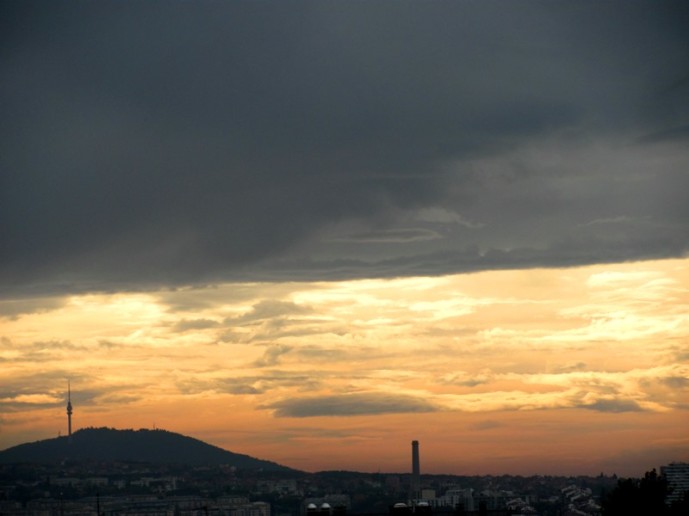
(644, 496)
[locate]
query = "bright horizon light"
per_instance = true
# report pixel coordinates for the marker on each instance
(576, 370)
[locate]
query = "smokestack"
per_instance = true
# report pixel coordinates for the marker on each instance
(415, 471)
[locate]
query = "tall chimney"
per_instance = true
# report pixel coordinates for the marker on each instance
(415, 471)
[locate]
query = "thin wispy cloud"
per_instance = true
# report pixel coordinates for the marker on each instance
(445, 216)
(390, 236)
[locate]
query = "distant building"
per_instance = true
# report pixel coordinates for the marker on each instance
(427, 494)
(677, 475)
(287, 486)
(457, 497)
(158, 484)
(97, 481)
(579, 501)
(250, 509)
(66, 481)
(332, 504)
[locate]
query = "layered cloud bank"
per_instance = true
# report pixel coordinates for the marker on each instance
(181, 143)
(541, 370)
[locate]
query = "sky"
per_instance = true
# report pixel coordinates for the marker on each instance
(314, 231)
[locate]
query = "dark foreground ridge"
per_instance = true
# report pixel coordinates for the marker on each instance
(154, 446)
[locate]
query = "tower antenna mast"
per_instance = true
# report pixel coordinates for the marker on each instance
(69, 411)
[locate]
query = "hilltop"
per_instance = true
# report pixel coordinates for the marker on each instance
(154, 446)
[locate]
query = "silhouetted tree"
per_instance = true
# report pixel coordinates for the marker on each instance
(644, 496)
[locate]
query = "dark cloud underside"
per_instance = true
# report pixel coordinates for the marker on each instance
(614, 406)
(166, 143)
(350, 405)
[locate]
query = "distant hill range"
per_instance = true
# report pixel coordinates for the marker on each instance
(154, 446)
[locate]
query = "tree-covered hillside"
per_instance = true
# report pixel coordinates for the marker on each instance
(155, 446)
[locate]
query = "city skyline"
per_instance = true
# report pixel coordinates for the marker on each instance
(313, 232)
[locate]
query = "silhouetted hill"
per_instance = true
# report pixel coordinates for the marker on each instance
(155, 446)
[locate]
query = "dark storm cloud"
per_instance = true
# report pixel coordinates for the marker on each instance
(391, 236)
(157, 144)
(350, 405)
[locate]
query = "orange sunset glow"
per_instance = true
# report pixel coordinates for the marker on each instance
(313, 232)
(518, 371)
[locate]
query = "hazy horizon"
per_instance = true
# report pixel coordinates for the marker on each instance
(408, 471)
(311, 380)
(314, 231)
